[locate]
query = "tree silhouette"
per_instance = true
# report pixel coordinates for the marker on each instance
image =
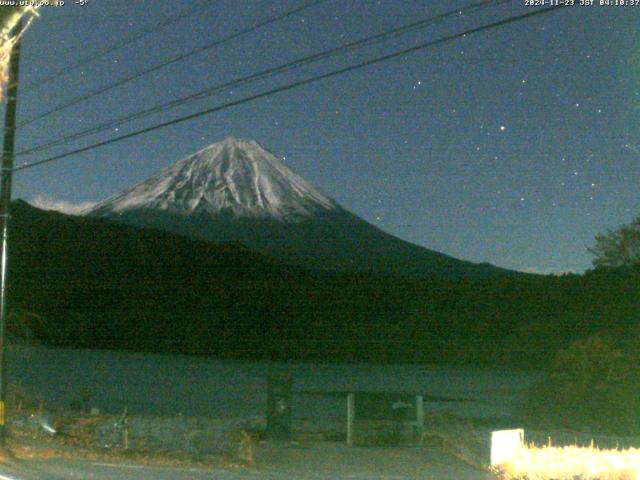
(618, 248)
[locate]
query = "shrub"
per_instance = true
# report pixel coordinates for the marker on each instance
(591, 386)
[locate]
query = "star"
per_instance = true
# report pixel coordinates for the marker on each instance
(502, 128)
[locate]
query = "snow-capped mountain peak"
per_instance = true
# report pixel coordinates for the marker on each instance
(233, 176)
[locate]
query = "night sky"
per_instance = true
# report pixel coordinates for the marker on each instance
(514, 146)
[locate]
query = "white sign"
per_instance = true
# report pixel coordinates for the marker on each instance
(505, 445)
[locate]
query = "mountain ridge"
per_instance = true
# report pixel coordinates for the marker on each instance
(95, 283)
(235, 190)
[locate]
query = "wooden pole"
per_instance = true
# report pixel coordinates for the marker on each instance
(5, 200)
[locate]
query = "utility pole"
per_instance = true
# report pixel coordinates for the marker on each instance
(5, 200)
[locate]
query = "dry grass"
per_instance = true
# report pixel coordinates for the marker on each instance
(571, 463)
(17, 451)
(26, 443)
(459, 438)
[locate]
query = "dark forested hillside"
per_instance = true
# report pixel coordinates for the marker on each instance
(93, 283)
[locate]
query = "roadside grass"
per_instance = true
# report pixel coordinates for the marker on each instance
(18, 451)
(571, 463)
(463, 439)
(25, 443)
(577, 458)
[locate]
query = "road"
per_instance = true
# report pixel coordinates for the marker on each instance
(323, 462)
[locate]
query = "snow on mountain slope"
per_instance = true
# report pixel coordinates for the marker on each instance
(232, 176)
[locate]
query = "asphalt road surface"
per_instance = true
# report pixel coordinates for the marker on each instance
(322, 462)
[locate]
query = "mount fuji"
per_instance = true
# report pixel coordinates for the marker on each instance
(235, 190)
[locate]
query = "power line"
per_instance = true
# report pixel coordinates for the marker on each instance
(291, 86)
(171, 61)
(120, 44)
(364, 42)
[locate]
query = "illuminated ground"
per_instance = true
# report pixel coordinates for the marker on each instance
(167, 385)
(320, 461)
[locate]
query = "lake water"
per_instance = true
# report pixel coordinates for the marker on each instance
(172, 384)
